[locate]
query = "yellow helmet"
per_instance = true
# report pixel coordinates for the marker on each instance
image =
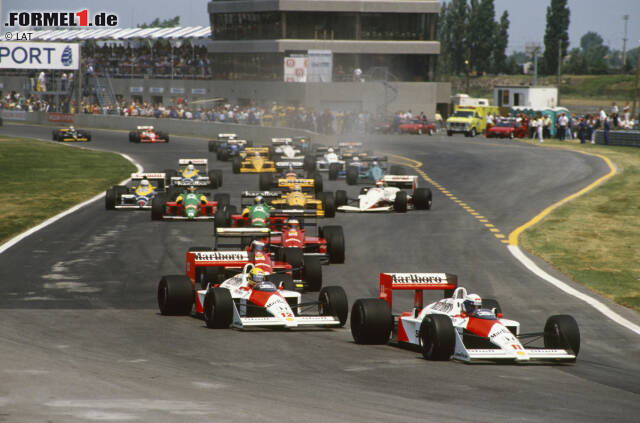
(256, 275)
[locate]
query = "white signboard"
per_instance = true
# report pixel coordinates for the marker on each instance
(320, 66)
(14, 114)
(30, 55)
(177, 90)
(156, 90)
(295, 69)
(136, 89)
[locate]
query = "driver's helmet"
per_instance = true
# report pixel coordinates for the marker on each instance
(259, 199)
(356, 159)
(71, 128)
(291, 173)
(191, 188)
(293, 224)
(190, 167)
(144, 182)
(257, 246)
(471, 303)
(296, 188)
(256, 275)
(330, 150)
(380, 183)
(374, 163)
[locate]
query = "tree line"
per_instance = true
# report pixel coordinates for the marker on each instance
(473, 41)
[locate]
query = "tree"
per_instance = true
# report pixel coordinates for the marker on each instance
(590, 39)
(500, 45)
(556, 35)
(444, 35)
(458, 18)
(595, 53)
(157, 23)
(482, 30)
(575, 64)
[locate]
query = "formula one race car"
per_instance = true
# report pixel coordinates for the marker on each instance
(461, 325)
(222, 138)
(71, 134)
(231, 148)
(194, 172)
(148, 134)
(417, 126)
(188, 205)
(138, 194)
(323, 206)
(253, 160)
(335, 159)
(290, 174)
(241, 303)
(387, 195)
(507, 128)
(285, 149)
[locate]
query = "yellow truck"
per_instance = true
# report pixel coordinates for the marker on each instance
(469, 120)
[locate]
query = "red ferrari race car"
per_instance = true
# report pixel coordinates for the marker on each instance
(461, 326)
(148, 134)
(508, 128)
(417, 126)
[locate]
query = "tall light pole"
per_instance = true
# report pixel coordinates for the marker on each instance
(635, 90)
(624, 40)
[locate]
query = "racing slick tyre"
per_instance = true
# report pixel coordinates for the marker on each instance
(561, 331)
(157, 206)
(218, 174)
(222, 218)
(54, 135)
(295, 257)
(312, 276)
(400, 203)
(309, 163)
(218, 308)
(223, 199)
(222, 155)
(213, 146)
(207, 275)
(334, 171)
(175, 295)
(341, 198)
(335, 243)
(265, 181)
(134, 136)
(333, 302)
(88, 134)
(236, 164)
(422, 199)
(352, 175)
(163, 136)
(437, 336)
(491, 304)
(110, 199)
(317, 182)
(397, 170)
(371, 321)
(328, 204)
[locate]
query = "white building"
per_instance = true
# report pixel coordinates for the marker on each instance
(536, 98)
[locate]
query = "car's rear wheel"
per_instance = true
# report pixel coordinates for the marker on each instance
(317, 182)
(223, 199)
(110, 199)
(309, 163)
(312, 273)
(438, 338)
(295, 258)
(213, 146)
(400, 203)
(334, 171)
(328, 204)
(371, 321)
(222, 218)
(562, 331)
(333, 302)
(206, 276)
(157, 206)
(352, 175)
(334, 236)
(218, 308)
(341, 198)
(215, 178)
(236, 164)
(175, 295)
(422, 199)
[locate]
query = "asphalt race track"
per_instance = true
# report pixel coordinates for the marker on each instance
(82, 339)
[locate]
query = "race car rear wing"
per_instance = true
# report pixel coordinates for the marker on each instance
(265, 194)
(417, 282)
(236, 141)
(239, 233)
(294, 164)
(227, 136)
(193, 161)
(138, 176)
(401, 181)
(144, 128)
(281, 141)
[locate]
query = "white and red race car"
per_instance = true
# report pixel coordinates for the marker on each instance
(461, 325)
(237, 304)
(387, 195)
(148, 134)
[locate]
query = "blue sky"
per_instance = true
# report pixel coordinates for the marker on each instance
(527, 16)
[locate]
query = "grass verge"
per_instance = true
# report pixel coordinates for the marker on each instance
(595, 239)
(40, 180)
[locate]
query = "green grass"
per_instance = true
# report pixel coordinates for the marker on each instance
(40, 180)
(595, 239)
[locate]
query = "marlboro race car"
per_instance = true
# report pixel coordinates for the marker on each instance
(461, 325)
(290, 174)
(241, 304)
(221, 139)
(387, 195)
(71, 134)
(194, 172)
(148, 134)
(253, 160)
(189, 205)
(137, 194)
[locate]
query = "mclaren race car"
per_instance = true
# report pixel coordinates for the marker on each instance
(461, 326)
(138, 194)
(71, 134)
(148, 134)
(387, 195)
(242, 303)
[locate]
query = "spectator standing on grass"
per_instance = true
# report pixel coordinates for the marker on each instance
(546, 126)
(606, 126)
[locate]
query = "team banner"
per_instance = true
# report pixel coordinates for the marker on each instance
(35, 55)
(320, 66)
(295, 69)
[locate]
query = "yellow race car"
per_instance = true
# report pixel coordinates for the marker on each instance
(324, 205)
(253, 160)
(71, 134)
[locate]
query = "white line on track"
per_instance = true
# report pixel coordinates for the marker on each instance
(16, 239)
(529, 264)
